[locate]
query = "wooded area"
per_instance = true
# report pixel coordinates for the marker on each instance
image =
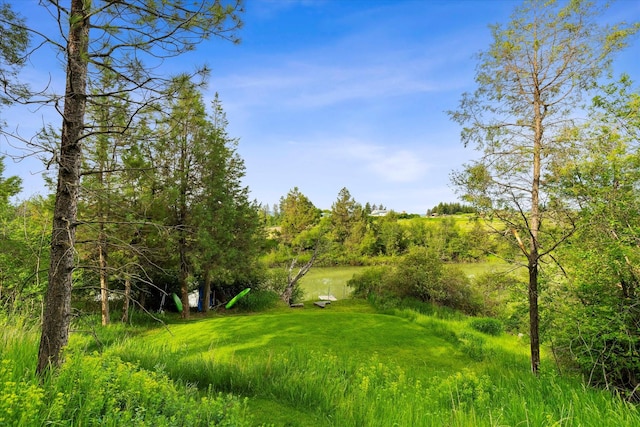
(149, 198)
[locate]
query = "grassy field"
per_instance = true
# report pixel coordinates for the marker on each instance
(345, 365)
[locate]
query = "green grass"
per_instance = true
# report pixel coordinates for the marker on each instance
(349, 366)
(93, 389)
(345, 365)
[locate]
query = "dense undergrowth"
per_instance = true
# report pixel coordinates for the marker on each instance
(93, 389)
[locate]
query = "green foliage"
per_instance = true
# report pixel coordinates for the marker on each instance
(369, 282)
(24, 240)
(473, 346)
(93, 389)
(418, 275)
(122, 393)
(277, 280)
(450, 209)
(597, 329)
(297, 214)
(466, 388)
(487, 325)
(258, 300)
(13, 44)
(19, 400)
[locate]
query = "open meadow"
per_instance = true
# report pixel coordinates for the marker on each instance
(344, 365)
(347, 365)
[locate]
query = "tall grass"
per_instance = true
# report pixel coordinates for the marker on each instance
(92, 389)
(372, 393)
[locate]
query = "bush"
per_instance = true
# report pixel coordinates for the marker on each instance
(369, 282)
(98, 387)
(458, 292)
(420, 275)
(258, 300)
(487, 325)
(497, 290)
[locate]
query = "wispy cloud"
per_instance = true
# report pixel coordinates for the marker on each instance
(316, 85)
(385, 162)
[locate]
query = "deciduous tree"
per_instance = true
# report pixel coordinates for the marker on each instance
(599, 322)
(529, 84)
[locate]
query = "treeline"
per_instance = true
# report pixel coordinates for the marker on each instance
(347, 234)
(451, 209)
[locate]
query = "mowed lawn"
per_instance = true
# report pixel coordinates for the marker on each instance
(313, 366)
(346, 329)
(349, 365)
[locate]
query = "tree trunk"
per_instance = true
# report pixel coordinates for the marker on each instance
(207, 290)
(534, 227)
(104, 284)
(534, 318)
(127, 295)
(57, 310)
(292, 281)
(184, 275)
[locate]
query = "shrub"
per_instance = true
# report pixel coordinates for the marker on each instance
(487, 325)
(496, 290)
(98, 387)
(258, 300)
(369, 282)
(420, 275)
(458, 292)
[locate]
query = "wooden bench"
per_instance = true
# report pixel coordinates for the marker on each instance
(322, 304)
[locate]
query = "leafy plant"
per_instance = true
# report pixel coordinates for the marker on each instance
(487, 325)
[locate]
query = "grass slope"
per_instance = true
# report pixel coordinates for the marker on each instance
(349, 366)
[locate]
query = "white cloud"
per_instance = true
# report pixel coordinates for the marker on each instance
(387, 163)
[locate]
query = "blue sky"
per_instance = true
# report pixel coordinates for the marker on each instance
(326, 94)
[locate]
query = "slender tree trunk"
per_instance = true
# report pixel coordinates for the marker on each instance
(57, 310)
(207, 290)
(184, 276)
(127, 296)
(534, 229)
(534, 318)
(182, 224)
(292, 281)
(104, 279)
